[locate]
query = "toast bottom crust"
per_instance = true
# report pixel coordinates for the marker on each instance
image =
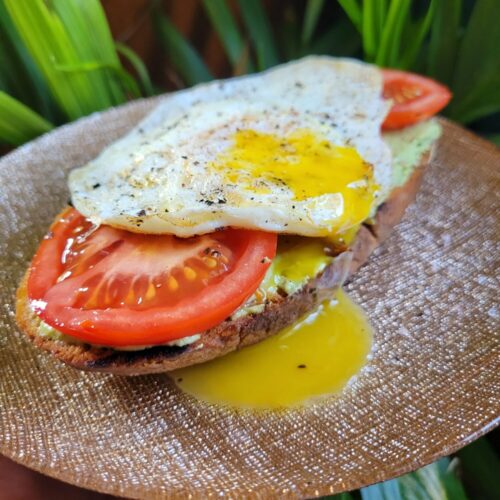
(232, 334)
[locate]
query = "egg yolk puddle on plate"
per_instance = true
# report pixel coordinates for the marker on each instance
(315, 357)
(307, 165)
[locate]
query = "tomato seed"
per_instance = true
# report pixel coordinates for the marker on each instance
(210, 262)
(151, 292)
(173, 284)
(189, 273)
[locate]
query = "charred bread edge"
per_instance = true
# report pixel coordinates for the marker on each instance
(241, 332)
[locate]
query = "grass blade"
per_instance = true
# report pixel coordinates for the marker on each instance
(18, 123)
(410, 55)
(369, 29)
(481, 101)
(341, 40)
(225, 25)
(257, 24)
(87, 28)
(478, 54)
(388, 490)
(289, 37)
(20, 76)
(70, 33)
(390, 41)
(139, 67)
(443, 44)
(48, 43)
(380, 13)
(311, 16)
(433, 482)
(181, 53)
(353, 11)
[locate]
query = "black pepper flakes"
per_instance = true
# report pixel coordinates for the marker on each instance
(141, 213)
(301, 366)
(96, 185)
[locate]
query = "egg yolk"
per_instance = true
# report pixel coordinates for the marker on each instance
(304, 164)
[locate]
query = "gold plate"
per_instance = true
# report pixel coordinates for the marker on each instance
(432, 385)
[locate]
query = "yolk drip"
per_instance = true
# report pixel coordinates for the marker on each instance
(304, 164)
(313, 358)
(297, 260)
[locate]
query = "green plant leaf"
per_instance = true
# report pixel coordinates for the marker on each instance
(388, 490)
(19, 76)
(495, 139)
(443, 45)
(181, 53)
(88, 30)
(380, 13)
(478, 63)
(289, 35)
(415, 46)
(370, 29)
(432, 482)
(390, 41)
(18, 123)
(225, 25)
(373, 19)
(479, 461)
(139, 67)
(341, 40)
(311, 16)
(340, 496)
(257, 25)
(353, 11)
(47, 42)
(71, 33)
(481, 101)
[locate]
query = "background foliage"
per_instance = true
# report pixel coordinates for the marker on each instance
(59, 62)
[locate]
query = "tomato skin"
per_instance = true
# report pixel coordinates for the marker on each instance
(43, 259)
(53, 299)
(416, 98)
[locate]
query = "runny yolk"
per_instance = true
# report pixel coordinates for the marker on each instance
(303, 164)
(314, 358)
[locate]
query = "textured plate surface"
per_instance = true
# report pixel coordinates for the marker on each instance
(432, 386)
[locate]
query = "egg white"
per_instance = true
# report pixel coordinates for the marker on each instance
(158, 178)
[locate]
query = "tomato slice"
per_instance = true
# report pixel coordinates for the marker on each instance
(415, 97)
(112, 287)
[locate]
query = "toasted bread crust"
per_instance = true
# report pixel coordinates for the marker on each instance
(231, 334)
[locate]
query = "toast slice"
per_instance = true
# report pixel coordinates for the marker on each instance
(233, 334)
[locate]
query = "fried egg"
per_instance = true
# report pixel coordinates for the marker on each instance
(296, 149)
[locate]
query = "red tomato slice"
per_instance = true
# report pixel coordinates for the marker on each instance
(415, 97)
(112, 287)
